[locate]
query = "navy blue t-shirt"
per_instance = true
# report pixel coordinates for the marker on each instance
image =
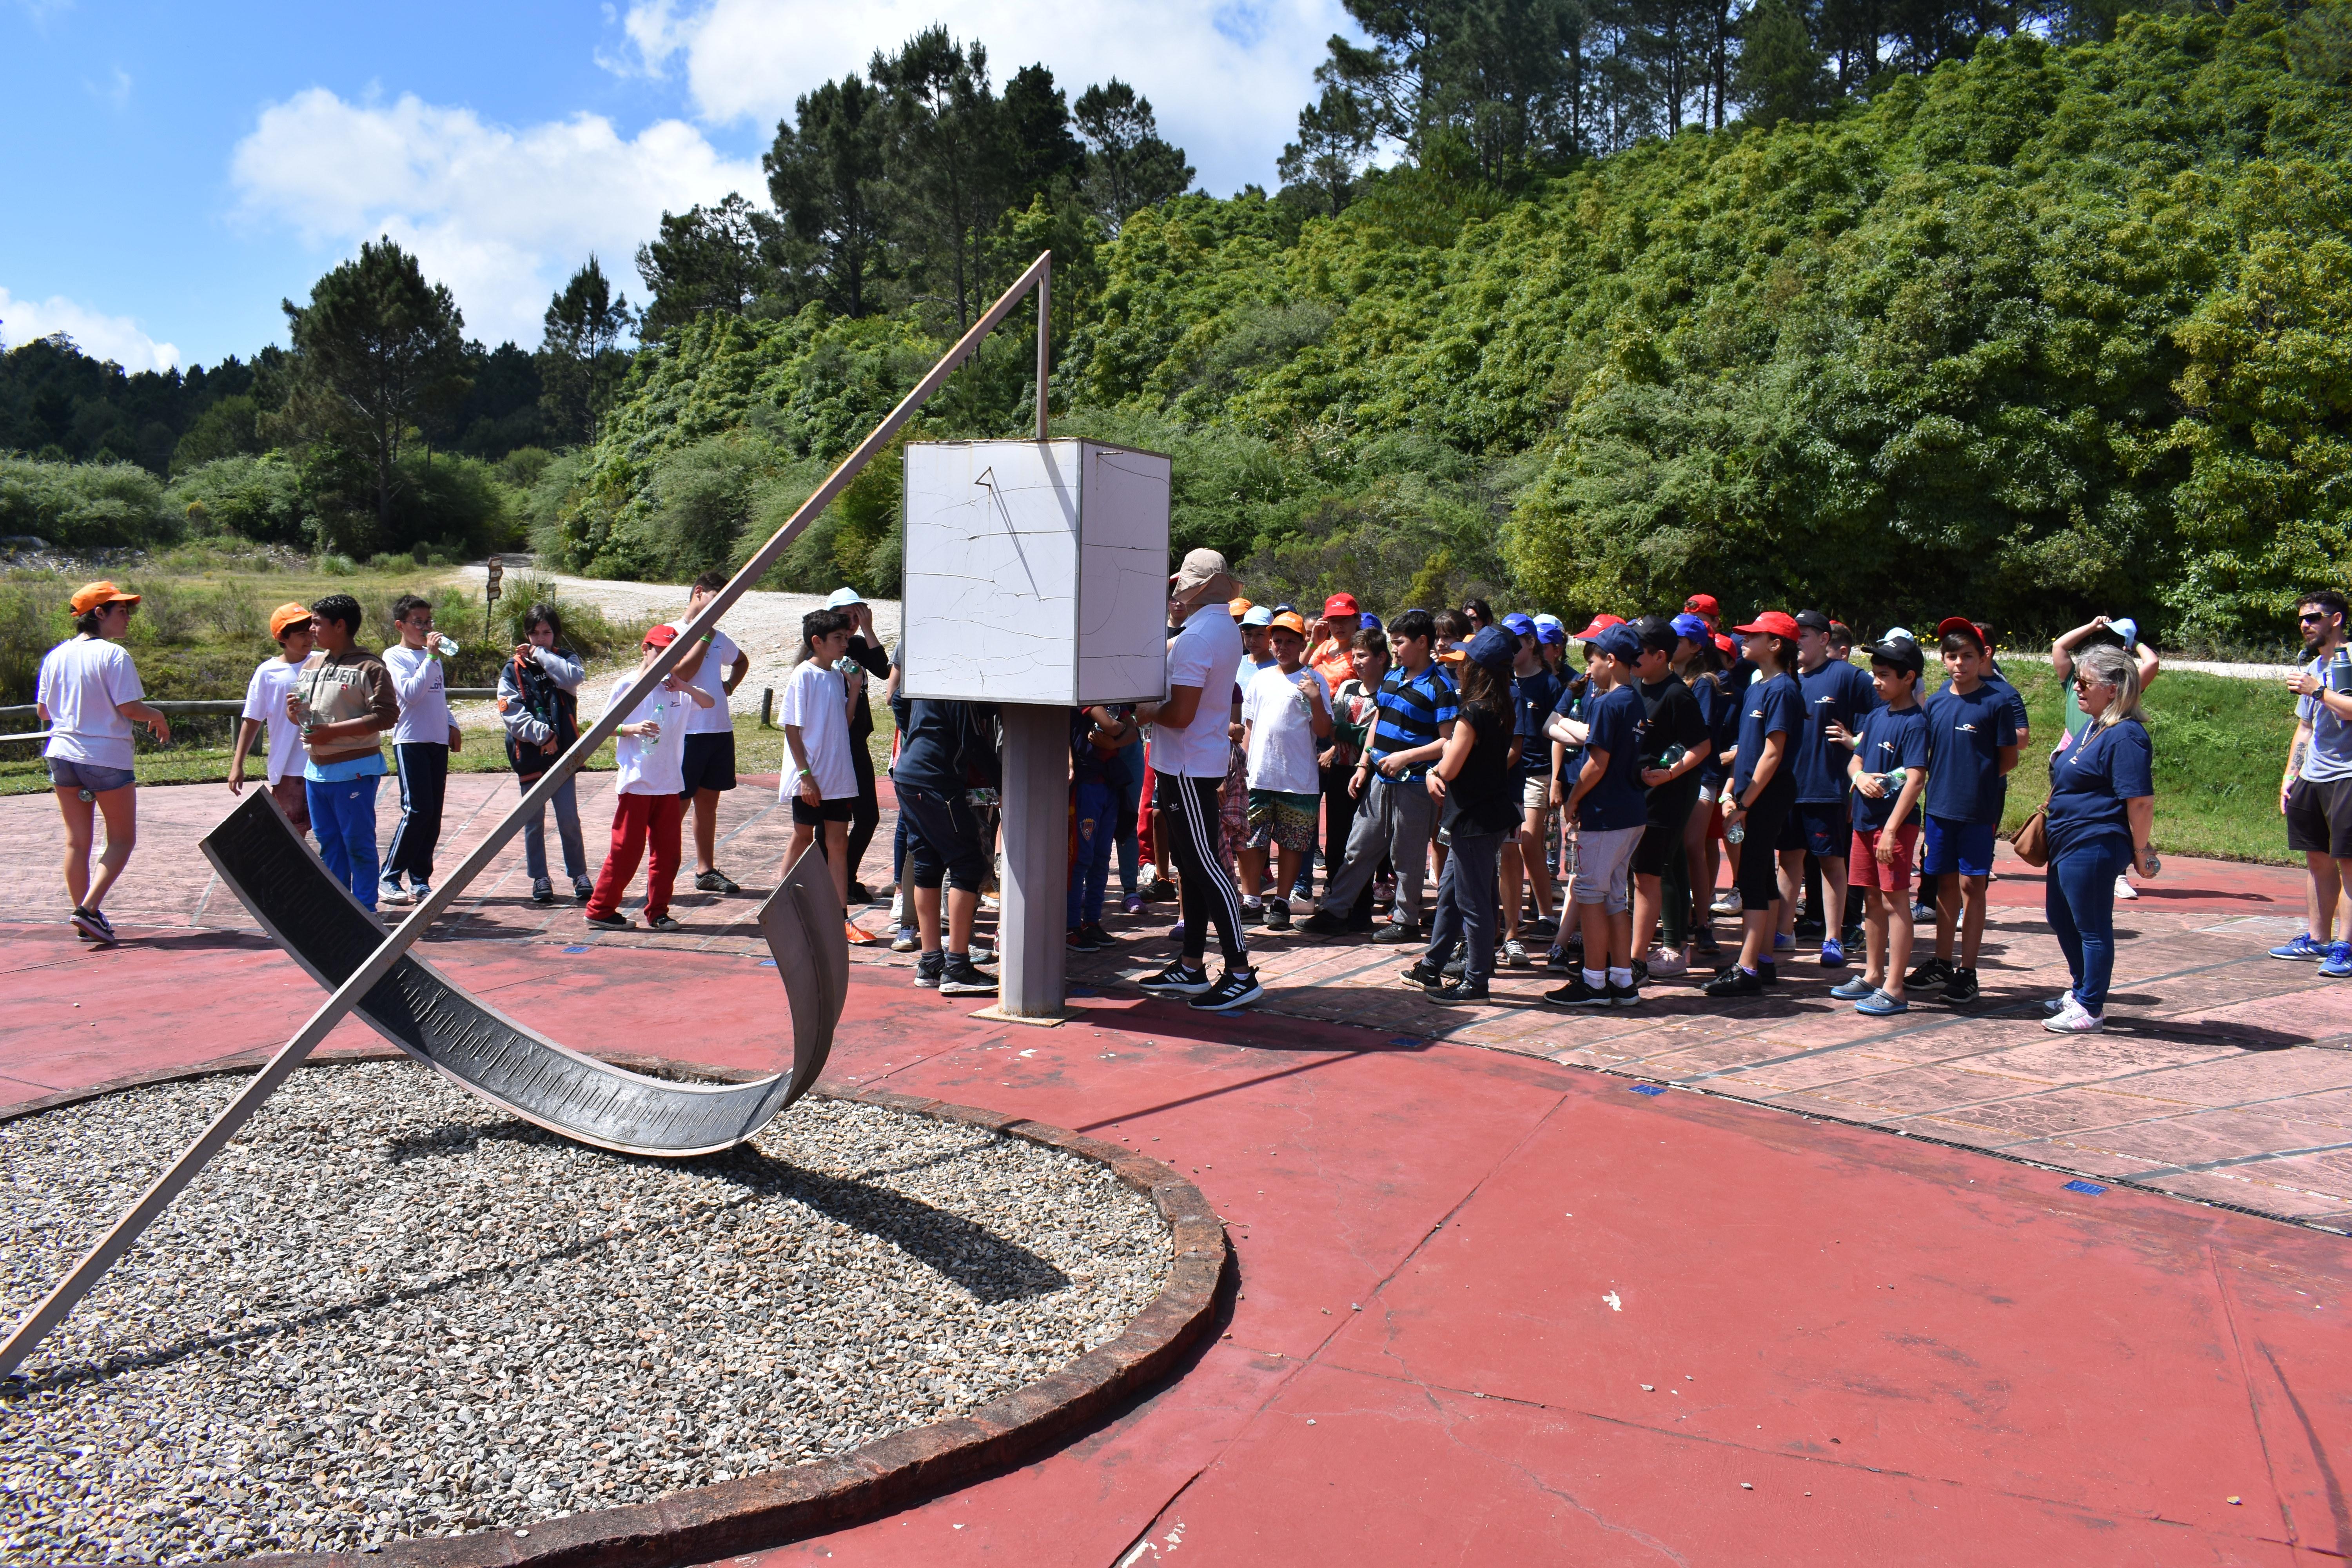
(1774, 707)
(944, 744)
(1617, 721)
(2011, 695)
(2094, 778)
(1571, 703)
(1719, 704)
(1890, 738)
(1965, 736)
(1533, 696)
(1835, 693)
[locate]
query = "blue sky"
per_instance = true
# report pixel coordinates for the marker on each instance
(172, 171)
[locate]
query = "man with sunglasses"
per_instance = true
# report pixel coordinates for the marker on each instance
(2315, 795)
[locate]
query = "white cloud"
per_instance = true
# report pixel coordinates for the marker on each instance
(1226, 78)
(117, 338)
(501, 215)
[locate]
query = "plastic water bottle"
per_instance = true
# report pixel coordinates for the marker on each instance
(1893, 781)
(447, 645)
(1737, 833)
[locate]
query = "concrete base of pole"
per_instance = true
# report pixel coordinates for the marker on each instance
(1032, 930)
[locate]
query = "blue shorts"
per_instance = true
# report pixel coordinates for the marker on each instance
(1824, 829)
(66, 774)
(1964, 846)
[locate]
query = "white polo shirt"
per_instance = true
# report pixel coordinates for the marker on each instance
(711, 676)
(1207, 653)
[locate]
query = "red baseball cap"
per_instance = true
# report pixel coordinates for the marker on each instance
(1342, 605)
(1965, 626)
(1599, 624)
(1779, 623)
(1703, 605)
(660, 637)
(1725, 645)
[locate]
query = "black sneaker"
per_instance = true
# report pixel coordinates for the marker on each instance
(1099, 937)
(1178, 979)
(1422, 975)
(1962, 986)
(91, 925)
(714, 881)
(1395, 932)
(958, 978)
(613, 921)
(1364, 927)
(1253, 914)
(1768, 973)
(1704, 941)
(1624, 996)
(1543, 925)
(1323, 922)
(1934, 972)
(1277, 914)
(928, 967)
(1735, 981)
(859, 893)
(1640, 971)
(662, 921)
(1577, 993)
(1809, 925)
(1079, 941)
(1235, 990)
(1462, 991)
(542, 892)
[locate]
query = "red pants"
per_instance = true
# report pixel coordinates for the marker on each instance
(635, 819)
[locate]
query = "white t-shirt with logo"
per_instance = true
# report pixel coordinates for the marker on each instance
(1207, 654)
(80, 683)
(1282, 745)
(424, 696)
(265, 700)
(655, 766)
(817, 701)
(711, 676)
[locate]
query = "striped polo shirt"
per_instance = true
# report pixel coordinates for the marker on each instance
(1412, 709)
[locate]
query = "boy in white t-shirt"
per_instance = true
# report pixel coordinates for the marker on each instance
(265, 704)
(819, 777)
(1286, 718)
(648, 802)
(718, 667)
(421, 742)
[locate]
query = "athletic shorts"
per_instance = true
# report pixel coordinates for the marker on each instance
(66, 774)
(1281, 820)
(1862, 867)
(807, 816)
(943, 840)
(1962, 847)
(2319, 818)
(1758, 880)
(710, 762)
(1820, 828)
(1535, 792)
(1604, 858)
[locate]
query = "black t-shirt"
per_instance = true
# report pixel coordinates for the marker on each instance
(876, 663)
(1676, 719)
(947, 747)
(1484, 797)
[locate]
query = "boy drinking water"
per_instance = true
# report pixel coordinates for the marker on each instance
(1888, 768)
(422, 742)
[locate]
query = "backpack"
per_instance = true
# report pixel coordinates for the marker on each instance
(550, 705)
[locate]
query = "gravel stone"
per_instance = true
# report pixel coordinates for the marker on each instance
(388, 1309)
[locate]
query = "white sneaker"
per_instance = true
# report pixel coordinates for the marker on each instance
(394, 894)
(2124, 890)
(1515, 953)
(1730, 902)
(1666, 963)
(2073, 1018)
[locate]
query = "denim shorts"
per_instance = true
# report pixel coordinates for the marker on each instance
(66, 774)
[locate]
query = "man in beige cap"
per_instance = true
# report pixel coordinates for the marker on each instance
(1191, 752)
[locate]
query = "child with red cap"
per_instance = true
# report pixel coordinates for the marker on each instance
(1762, 791)
(648, 801)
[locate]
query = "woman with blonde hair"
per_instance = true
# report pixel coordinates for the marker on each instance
(2102, 811)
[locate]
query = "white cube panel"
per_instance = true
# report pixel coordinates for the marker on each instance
(1035, 572)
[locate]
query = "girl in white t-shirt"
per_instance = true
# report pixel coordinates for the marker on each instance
(88, 695)
(819, 777)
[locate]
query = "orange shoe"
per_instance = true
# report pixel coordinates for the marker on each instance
(857, 938)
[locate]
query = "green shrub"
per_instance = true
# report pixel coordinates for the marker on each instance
(84, 506)
(255, 498)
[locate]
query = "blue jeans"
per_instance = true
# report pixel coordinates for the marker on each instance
(1465, 905)
(1092, 830)
(1125, 802)
(566, 800)
(343, 817)
(2080, 901)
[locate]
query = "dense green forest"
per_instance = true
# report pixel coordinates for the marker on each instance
(1948, 312)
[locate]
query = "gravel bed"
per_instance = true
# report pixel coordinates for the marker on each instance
(388, 1309)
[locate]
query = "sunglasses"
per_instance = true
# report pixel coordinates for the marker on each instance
(2309, 615)
(2085, 683)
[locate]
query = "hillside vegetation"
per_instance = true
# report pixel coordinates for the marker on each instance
(2042, 332)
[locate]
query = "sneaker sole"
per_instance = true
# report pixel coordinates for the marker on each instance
(1201, 1004)
(93, 931)
(1186, 992)
(1881, 1012)
(950, 988)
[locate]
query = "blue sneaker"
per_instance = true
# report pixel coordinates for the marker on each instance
(1833, 953)
(1783, 942)
(2301, 947)
(1854, 990)
(1879, 1005)
(2339, 962)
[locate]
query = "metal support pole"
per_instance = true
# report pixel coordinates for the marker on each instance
(52, 1307)
(1037, 860)
(1045, 340)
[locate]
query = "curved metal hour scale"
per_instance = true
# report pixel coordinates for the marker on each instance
(279, 879)
(368, 969)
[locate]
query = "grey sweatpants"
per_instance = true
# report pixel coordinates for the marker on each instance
(1465, 904)
(1393, 819)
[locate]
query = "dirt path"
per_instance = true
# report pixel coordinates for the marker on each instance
(765, 626)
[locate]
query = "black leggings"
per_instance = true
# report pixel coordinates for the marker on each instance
(1208, 894)
(868, 815)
